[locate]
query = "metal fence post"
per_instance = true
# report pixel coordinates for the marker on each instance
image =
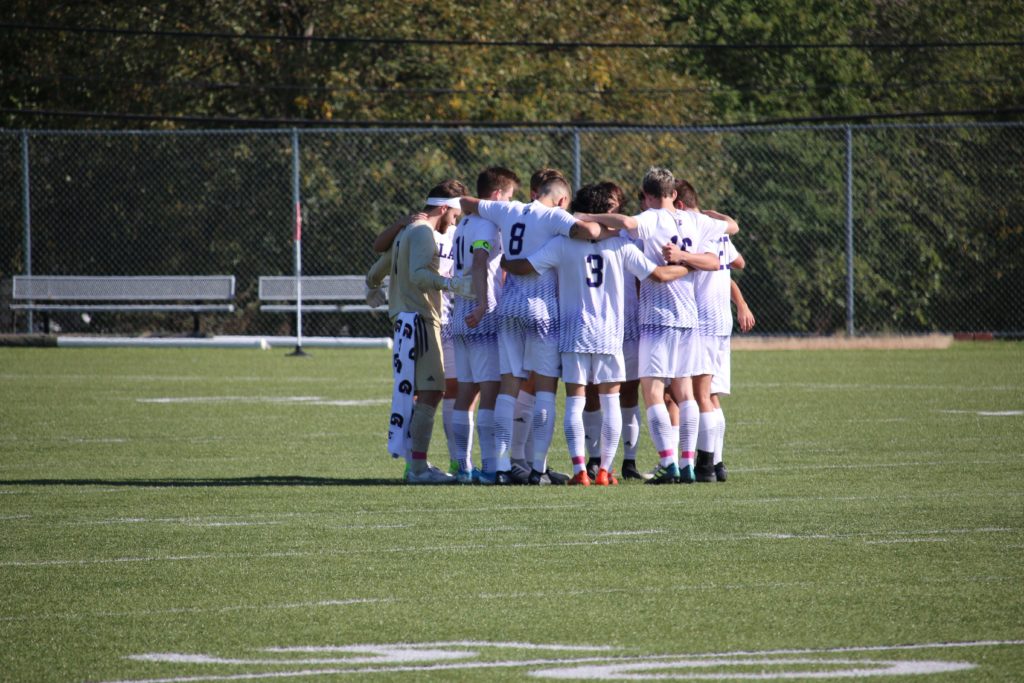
(297, 201)
(850, 327)
(577, 171)
(26, 208)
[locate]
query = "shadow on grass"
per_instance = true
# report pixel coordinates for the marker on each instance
(187, 482)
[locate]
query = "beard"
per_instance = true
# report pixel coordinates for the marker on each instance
(447, 220)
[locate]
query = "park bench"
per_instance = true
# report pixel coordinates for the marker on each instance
(193, 294)
(320, 294)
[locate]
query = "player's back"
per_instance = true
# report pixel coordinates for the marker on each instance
(525, 228)
(666, 304)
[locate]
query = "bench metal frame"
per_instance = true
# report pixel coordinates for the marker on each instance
(317, 288)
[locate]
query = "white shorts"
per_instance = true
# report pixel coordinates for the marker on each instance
(658, 349)
(522, 351)
(476, 359)
(448, 351)
(592, 368)
(721, 383)
(631, 358)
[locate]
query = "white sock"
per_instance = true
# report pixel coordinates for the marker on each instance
(611, 429)
(630, 431)
(461, 444)
(447, 413)
(504, 408)
(720, 437)
(572, 423)
(522, 426)
(659, 425)
(592, 433)
(485, 437)
(543, 426)
(689, 420)
(707, 431)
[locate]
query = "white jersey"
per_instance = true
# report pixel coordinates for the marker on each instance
(525, 228)
(663, 304)
(445, 268)
(592, 281)
(713, 289)
(474, 232)
(631, 309)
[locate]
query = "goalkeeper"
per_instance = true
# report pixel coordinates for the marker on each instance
(414, 304)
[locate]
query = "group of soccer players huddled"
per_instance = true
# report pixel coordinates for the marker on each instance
(495, 300)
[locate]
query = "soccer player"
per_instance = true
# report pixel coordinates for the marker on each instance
(527, 315)
(713, 291)
(607, 197)
(446, 268)
(591, 286)
(477, 253)
(668, 316)
(414, 303)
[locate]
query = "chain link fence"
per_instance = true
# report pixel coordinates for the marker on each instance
(846, 230)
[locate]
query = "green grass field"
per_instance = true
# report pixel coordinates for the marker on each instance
(206, 515)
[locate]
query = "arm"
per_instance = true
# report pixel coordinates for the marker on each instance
(478, 272)
(470, 205)
(668, 273)
(383, 241)
(673, 254)
(586, 230)
(733, 226)
(743, 315)
(738, 263)
(518, 266)
(612, 220)
(379, 270)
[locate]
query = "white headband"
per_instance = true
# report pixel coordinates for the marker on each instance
(452, 202)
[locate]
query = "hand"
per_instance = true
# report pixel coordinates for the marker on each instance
(474, 318)
(462, 286)
(376, 296)
(419, 216)
(745, 319)
(673, 254)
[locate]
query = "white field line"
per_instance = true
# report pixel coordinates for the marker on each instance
(985, 413)
(9, 518)
(909, 540)
(218, 379)
(468, 547)
(823, 386)
(300, 400)
(615, 661)
(344, 602)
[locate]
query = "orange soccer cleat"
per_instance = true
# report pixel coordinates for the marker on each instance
(605, 478)
(580, 479)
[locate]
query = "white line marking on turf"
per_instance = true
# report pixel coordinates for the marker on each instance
(985, 413)
(642, 532)
(13, 517)
(908, 540)
(614, 667)
(301, 400)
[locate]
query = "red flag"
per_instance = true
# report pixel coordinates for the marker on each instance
(298, 222)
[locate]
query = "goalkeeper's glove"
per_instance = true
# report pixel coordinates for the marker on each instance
(376, 296)
(461, 286)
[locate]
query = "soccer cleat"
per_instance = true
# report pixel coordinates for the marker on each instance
(431, 475)
(503, 478)
(629, 471)
(686, 475)
(605, 478)
(466, 476)
(519, 475)
(665, 475)
(705, 469)
(580, 479)
(593, 465)
(720, 472)
(548, 478)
